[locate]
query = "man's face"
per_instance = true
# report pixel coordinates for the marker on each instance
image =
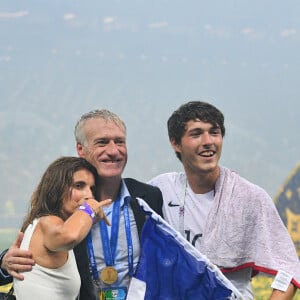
(105, 148)
(200, 147)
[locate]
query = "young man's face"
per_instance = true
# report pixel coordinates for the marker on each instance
(200, 147)
(106, 147)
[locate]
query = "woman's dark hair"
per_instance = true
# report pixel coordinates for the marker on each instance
(54, 186)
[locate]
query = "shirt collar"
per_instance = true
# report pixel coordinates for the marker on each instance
(123, 193)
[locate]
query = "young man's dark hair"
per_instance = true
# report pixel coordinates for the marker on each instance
(193, 110)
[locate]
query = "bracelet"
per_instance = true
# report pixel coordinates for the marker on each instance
(87, 209)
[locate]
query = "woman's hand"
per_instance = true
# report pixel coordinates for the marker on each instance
(97, 207)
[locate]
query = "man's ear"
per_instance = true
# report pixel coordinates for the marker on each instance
(176, 147)
(80, 150)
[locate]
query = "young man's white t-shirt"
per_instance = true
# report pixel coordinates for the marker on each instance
(187, 212)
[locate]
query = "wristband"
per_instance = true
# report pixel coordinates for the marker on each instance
(87, 209)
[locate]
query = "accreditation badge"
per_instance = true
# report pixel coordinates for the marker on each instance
(117, 293)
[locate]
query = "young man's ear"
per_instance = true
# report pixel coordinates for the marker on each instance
(176, 147)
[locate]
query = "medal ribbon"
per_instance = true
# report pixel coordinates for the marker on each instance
(107, 249)
(110, 245)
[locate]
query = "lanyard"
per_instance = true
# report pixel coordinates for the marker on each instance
(181, 208)
(109, 246)
(128, 236)
(91, 255)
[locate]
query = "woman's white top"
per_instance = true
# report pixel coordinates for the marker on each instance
(42, 283)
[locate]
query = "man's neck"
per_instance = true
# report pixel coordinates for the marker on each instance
(108, 188)
(202, 183)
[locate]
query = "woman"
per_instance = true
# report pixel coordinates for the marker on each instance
(61, 214)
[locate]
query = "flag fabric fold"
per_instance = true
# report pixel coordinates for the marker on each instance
(170, 268)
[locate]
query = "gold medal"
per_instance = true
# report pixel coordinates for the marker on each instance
(109, 275)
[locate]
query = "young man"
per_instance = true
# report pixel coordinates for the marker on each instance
(230, 220)
(108, 257)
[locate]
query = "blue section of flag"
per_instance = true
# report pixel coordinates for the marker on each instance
(174, 270)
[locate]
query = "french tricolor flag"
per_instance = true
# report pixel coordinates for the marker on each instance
(170, 268)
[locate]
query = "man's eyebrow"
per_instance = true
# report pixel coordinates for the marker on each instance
(100, 139)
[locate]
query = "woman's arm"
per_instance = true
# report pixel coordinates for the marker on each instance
(62, 235)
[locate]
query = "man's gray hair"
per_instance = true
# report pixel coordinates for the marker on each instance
(104, 114)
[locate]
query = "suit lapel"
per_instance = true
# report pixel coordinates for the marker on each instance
(135, 191)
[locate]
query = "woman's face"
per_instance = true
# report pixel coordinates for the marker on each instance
(82, 188)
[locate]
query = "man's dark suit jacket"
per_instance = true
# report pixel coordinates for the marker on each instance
(152, 195)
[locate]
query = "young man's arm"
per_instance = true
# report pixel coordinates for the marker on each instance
(15, 260)
(279, 295)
